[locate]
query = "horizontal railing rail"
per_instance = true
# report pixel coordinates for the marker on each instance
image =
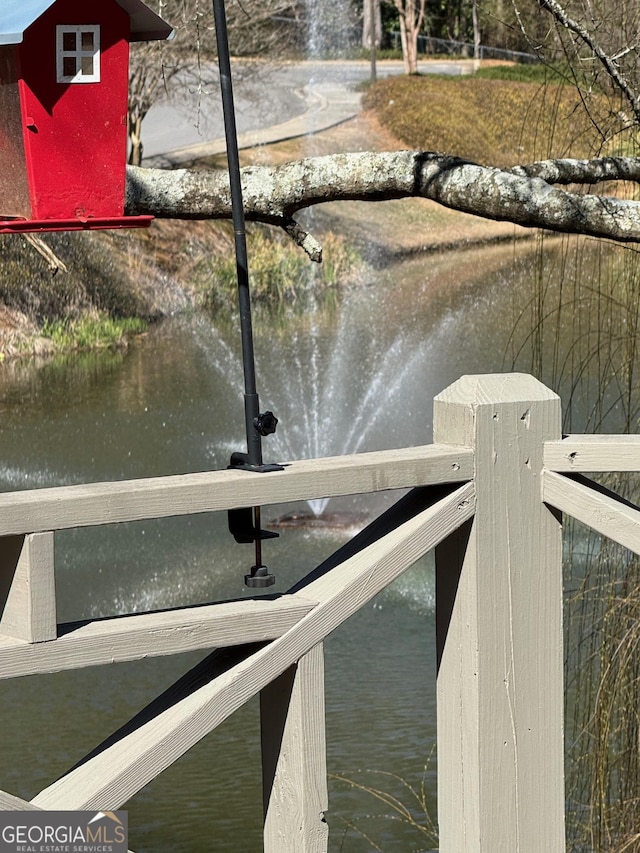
(594, 454)
(63, 507)
(139, 636)
(567, 489)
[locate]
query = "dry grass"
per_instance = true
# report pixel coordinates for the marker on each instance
(495, 122)
(579, 333)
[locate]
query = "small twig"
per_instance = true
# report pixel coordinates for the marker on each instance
(629, 843)
(608, 62)
(53, 261)
(303, 239)
(360, 832)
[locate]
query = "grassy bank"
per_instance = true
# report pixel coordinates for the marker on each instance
(97, 299)
(99, 331)
(115, 284)
(497, 122)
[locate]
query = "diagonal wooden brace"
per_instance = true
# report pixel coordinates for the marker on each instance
(222, 683)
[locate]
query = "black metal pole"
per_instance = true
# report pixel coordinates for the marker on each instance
(244, 529)
(251, 402)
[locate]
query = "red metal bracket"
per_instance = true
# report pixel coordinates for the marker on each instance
(30, 226)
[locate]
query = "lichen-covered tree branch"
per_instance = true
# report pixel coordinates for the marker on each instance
(525, 195)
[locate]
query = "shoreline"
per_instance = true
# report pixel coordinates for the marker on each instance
(386, 232)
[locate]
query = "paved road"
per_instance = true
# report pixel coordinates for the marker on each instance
(272, 103)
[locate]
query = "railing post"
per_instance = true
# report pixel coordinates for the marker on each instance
(27, 588)
(499, 622)
(294, 767)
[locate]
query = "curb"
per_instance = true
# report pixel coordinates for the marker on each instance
(321, 113)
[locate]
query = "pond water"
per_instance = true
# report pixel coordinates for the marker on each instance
(354, 377)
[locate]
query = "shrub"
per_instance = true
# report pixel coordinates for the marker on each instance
(92, 332)
(279, 272)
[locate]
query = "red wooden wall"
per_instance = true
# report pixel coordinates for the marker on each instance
(76, 139)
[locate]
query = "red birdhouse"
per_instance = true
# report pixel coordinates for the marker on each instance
(64, 85)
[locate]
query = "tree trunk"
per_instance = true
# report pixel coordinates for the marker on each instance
(411, 18)
(411, 62)
(367, 27)
(134, 124)
(404, 41)
(476, 30)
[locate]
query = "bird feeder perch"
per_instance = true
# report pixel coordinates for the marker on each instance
(64, 86)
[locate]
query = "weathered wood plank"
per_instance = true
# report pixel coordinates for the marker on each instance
(9, 803)
(593, 453)
(595, 506)
(154, 634)
(178, 720)
(28, 606)
(499, 606)
(132, 500)
(294, 764)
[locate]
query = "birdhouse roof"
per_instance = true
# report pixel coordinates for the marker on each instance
(15, 17)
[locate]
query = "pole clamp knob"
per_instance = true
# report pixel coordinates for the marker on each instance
(265, 423)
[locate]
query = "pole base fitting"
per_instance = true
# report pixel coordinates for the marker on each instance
(260, 577)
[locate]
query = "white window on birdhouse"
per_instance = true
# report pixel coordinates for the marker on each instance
(78, 54)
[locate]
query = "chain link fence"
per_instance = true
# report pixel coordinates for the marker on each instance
(429, 46)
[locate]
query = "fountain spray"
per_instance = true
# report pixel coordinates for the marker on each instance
(244, 524)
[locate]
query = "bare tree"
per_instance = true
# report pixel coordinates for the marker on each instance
(255, 28)
(149, 77)
(475, 18)
(371, 23)
(600, 43)
(154, 64)
(411, 14)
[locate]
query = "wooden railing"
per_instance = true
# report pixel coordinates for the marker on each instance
(486, 496)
